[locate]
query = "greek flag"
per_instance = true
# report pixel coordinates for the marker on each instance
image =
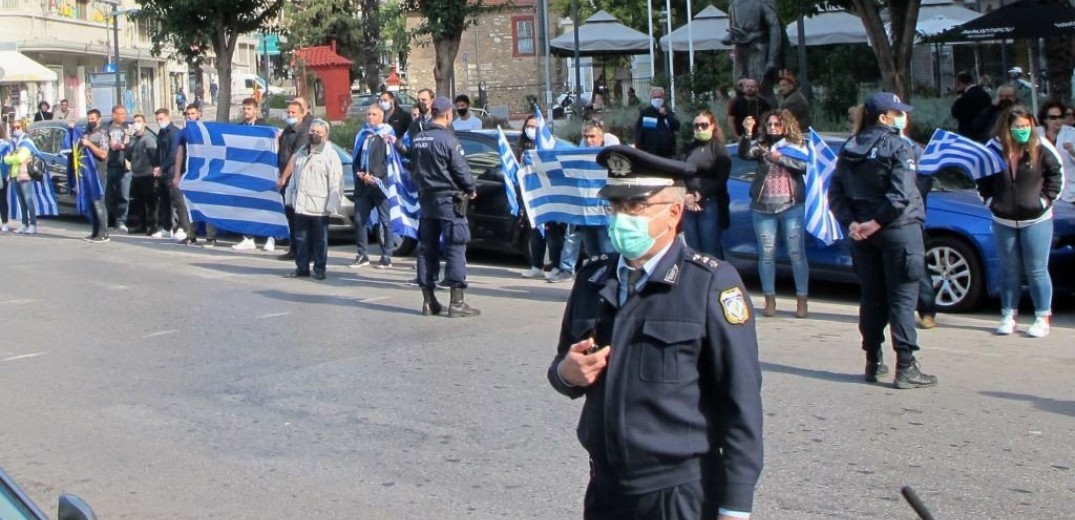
(950, 150)
(230, 179)
(44, 195)
(510, 168)
(562, 186)
(820, 221)
(545, 139)
(401, 193)
(82, 175)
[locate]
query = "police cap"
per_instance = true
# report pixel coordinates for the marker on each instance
(634, 174)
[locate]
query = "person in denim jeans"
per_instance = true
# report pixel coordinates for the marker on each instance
(1021, 201)
(777, 202)
(707, 191)
(20, 180)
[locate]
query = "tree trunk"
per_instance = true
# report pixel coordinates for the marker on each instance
(371, 27)
(893, 54)
(224, 46)
(446, 48)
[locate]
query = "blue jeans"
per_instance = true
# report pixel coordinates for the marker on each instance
(24, 191)
(789, 223)
(366, 200)
(702, 229)
(1025, 252)
(569, 255)
(311, 240)
(117, 196)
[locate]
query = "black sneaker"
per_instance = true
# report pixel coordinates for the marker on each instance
(98, 239)
(290, 255)
(874, 370)
(360, 261)
(384, 264)
(912, 377)
(210, 243)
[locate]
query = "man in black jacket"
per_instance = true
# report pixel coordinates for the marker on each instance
(370, 166)
(972, 100)
(399, 119)
(167, 144)
(143, 158)
(292, 139)
(655, 130)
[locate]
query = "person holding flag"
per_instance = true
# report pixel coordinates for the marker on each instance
(85, 180)
(370, 167)
(34, 197)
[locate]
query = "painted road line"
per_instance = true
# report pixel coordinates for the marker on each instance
(161, 333)
(22, 356)
(273, 315)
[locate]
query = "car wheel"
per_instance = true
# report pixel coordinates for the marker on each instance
(958, 277)
(405, 246)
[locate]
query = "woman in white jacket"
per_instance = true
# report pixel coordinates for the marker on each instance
(315, 192)
(1051, 115)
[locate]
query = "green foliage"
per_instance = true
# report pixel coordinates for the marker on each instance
(343, 134)
(279, 102)
(189, 27)
(446, 18)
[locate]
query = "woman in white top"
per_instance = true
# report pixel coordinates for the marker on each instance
(1052, 116)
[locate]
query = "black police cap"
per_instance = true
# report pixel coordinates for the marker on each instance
(634, 174)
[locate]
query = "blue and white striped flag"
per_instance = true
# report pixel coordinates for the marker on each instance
(820, 222)
(950, 150)
(562, 186)
(230, 179)
(403, 208)
(82, 174)
(509, 166)
(545, 139)
(44, 194)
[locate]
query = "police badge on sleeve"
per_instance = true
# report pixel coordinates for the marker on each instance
(735, 306)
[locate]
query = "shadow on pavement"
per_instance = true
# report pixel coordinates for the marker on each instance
(337, 300)
(1041, 403)
(824, 375)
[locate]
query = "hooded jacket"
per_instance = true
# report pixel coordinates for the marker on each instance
(1026, 195)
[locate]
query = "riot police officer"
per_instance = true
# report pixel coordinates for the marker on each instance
(445, 188)
(673, 424)
(875, 197)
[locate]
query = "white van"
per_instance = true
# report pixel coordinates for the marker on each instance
(242, 86)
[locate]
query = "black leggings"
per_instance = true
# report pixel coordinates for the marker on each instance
(3, 203)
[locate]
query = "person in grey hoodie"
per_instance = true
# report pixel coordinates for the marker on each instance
(142, 154)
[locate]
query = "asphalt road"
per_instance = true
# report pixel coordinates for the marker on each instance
(163, 381)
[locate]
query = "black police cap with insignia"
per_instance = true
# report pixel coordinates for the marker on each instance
(634, 174)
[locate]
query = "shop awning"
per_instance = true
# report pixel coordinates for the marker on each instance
(15, 67)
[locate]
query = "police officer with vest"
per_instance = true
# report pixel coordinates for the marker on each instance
(874, 196)
(445, 188)
(661, 342)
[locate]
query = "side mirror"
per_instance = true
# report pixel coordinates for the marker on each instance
(74, 508)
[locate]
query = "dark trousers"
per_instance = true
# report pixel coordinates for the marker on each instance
(182, 216)
(682, 502)
(164, 203)
(4, 209)
(117, 196)
(310, 236)
(890, 265)
(553, 239)
(366, 200)
(456, 235)
(927, 294)
(289, 212)
(144, 191)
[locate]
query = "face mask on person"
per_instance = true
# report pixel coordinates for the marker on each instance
(291, 120)
(630, 234)
(385, 105)
(703, 135)
(90, 126)
(462, 111)
(422, 108)
(899, 122)
(1021, 135)
(531, 133)
(657, 102)
(316, 139)
(17, 133)
(138, 127)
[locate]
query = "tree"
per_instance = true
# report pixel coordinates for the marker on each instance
(187, 28)
(444, 22)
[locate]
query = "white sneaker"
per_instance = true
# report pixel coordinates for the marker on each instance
(247, 244)
(1040, 328)
(533, 272)
(5, 229)
(158, 234)
(123, 229)
(1007, 326)
(20, 231)
(270, 245)
(552, 273)
(179, 235)
(32, 230)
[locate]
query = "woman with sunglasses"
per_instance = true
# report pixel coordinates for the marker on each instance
(707, 191)
(1062, 137)
(777, 201)
(17, 160)
(1021, 200)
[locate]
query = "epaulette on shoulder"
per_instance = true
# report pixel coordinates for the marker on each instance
(703, 260)
(594, 260)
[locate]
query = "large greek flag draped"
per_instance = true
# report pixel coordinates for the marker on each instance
(951, 150)
(509, 167)
(82, 175)
(401, 192)
(820, 222)
(562, 186)
(44, 193)
(545, 139)
(230, 179)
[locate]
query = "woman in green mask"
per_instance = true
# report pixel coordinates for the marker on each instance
(1021, 200)
(707, 191)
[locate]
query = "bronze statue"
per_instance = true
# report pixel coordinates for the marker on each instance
(759, 40)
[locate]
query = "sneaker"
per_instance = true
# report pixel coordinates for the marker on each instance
(32, 230)
(20, 231)
(270, 245)
(5, 229)
(210, 243)
(912, 377)
(158, 234)
(552, 272)
(1007, 325)
(560, 277)
(384, 264)
(98, 239)
(360, 261)
(928, 322)
(122, 228)
(179, 235)
(533, 272)
(247, 244)
(1040, 328)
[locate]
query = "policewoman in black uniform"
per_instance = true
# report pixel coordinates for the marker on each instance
(875, 198)
(445, 188)
(661, 342)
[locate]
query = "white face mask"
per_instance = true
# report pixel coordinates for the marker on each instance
(385, 105)
(531, 133)
(657, 102)
(138, 127)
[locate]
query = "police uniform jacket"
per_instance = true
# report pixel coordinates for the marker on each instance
(681, 393)
(440, 169)
(875, 180)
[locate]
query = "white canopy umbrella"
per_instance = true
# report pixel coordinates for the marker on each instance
(710, 27)
(935, 25)
(602, 34)
(830, 28)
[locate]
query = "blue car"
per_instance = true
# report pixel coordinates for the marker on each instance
(960, 252)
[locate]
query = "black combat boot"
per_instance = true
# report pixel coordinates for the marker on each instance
(875, 366)
(912, 377)
(430, 305)
(458, 308)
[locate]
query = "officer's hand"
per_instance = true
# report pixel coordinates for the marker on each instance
(581, 369)
(869, 228)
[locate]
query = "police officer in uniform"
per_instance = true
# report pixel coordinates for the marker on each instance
(445, 188)
(875, 197)
(661, 342)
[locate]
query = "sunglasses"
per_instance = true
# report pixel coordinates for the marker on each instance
(1052, 117)
(701, 126)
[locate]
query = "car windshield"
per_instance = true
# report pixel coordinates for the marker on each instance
(952, 179)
